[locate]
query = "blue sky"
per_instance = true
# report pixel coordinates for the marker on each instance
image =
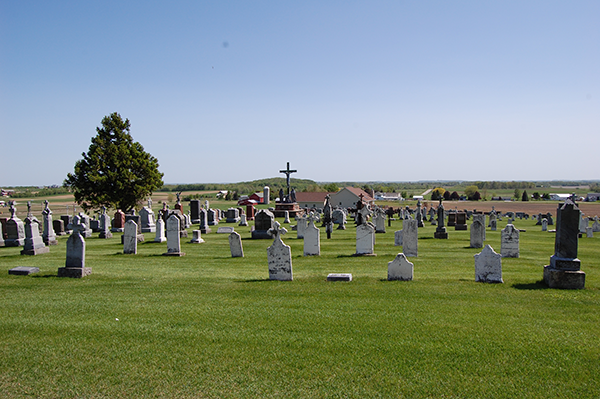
(343, 90)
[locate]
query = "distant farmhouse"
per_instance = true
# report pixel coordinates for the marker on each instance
(592, 197)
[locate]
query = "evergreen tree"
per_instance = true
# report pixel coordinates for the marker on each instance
(116, 172)
(525, 197)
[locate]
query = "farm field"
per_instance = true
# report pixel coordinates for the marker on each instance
(207, 325)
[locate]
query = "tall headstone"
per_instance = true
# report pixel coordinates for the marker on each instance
(509, 242)
(233, 215)
(544, 224)
(365, 239)
(49, 236)
(400, 269)
(59, 227)
(75, 262)
(419, 214)
(204, 228)
(173, 237)
(243, 221)
(34, 244)
(250, 212)
(105, 225)
(477, 232)
(461, 221)
(195, 211)
(488, 266)
(160, 230)
(410, 238)
(312, 237)
(15, 229)
(564, 270)
(279, 256)
(235, 245)
(440, 230)
(266, 199)
(379, 219)
(130, 237)
(213, 217)
(138, 222)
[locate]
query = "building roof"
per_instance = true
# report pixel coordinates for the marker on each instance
(358, 191)
(310, 196)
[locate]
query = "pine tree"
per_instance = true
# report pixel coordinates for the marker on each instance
(116, 172)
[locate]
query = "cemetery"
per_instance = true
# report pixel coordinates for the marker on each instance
(264, 306)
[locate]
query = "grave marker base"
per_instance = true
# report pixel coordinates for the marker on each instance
(74, 272)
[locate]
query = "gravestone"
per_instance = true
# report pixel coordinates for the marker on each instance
(564, 270)
(589, 232)
(34, 244)
(138, 223)
(302, 222)
(596, 226)
(15, 229)
(225, 230)
(105, 225)
(130, 241)
(49, 236)
(23, 270)
(451, 219)
(493, 225)
(250, 212)
(263, 222)
(410, 238)
(1, 235)
(419, 214)
(147, 220)
(173, 236)
(461, 221)
(339, 218)
(286, 216)
(398, 238)
(488, 266)
(339, 277)
(365, 239)
(243, 221)
(379, 220)
(195, 206)
(509, 242)
(312, 237)
(59, 227)
(440, 230)
(75, 262)
(544, 224)
(160, 230)
(85, 220)
(204, 221)
(213, 217)
(477, 232)
(196, 237)
(235, 245)
(67, 220)
(233, 215)
(400, 269)
(118, 222)
(279, 255)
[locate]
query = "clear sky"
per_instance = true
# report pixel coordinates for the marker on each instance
(229, 91)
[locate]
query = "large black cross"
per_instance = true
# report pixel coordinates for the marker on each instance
(288, 172)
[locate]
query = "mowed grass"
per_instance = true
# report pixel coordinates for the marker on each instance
(208, 325)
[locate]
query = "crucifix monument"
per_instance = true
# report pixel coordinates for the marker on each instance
(287, 202)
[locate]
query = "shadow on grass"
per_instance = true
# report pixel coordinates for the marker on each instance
(46, 275)
(538, 285)
(256, 280)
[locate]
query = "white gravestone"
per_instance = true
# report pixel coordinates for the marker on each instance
(365, 239)
(398, 238)
(410, 237)
(279, 256)
(49, 236)
(286, 217)
(400, 269)
(509, 242)
(197, 237)
(160, 231)
(379, 220)
(235, 245)
(488, 266)
(75, 262)
(589, 232)
(130, 237)
(173, 238)
(544, 224)
(312, 238)
(596, 227)
(243, 221)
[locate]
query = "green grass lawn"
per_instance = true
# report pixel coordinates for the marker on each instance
(208, 325)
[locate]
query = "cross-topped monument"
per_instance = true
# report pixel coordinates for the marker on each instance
(288, 172)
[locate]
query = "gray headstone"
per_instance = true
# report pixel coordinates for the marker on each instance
(130, 237)
(279, 256)
(410, 238)
(312, 238)
(509, 242)
(235, 245)
(365, 239)
(173, 237)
